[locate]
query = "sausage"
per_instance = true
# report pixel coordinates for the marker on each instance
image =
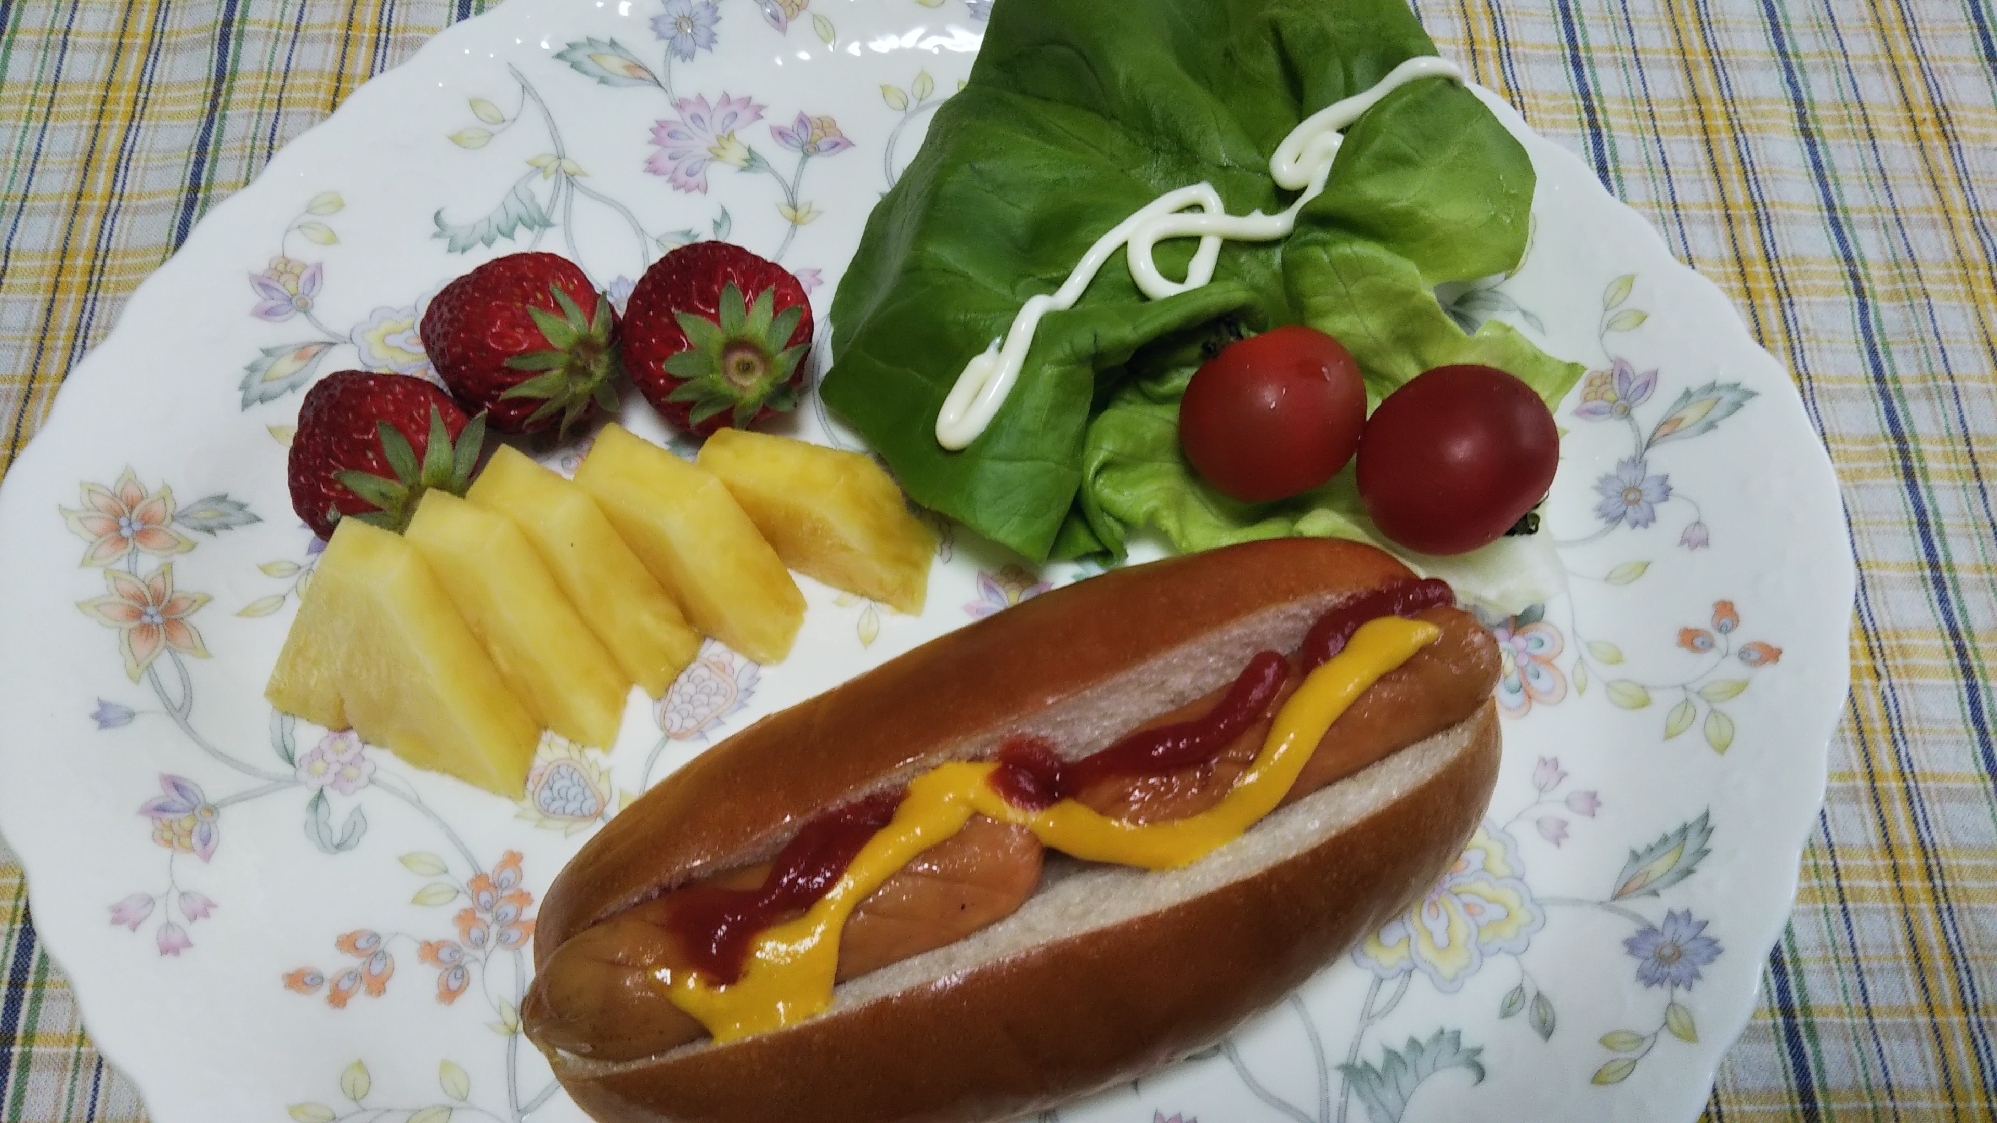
(978, 876)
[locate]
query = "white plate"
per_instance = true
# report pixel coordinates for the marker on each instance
(191, 862)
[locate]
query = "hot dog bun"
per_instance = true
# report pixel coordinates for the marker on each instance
(1044, 1005)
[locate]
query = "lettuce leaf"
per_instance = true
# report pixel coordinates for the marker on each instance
(1075, 115)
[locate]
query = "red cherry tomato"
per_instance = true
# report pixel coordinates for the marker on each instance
(1452, 459)
(1273, 415)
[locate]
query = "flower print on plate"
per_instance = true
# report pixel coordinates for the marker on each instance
(1549, 820)
(1527, 649)
(687, 26)
(288, 291)
(484, 956)
(1630, 494)
(150, 617)
(286, 288)
(339, 762)
(569, 788)
(812, 136)
(1000, 589)
(1672, 953)
(703, 134)
(191, 851)
(184, 822)
(718, 684)
(389, 340)
(1722, 673)
(1480, 908)
(123, 518)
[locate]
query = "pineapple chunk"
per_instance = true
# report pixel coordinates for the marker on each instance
(306, 680)
(831, 515)
(689, 531)
(618, 598)
(554, 663)
(379, 636)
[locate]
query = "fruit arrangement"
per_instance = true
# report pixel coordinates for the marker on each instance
(460, 610)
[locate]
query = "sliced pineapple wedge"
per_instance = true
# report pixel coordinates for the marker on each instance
(832, 515)
(380, 637)
(694, 537)
(554, 663)
(619, 599)
(306, 681)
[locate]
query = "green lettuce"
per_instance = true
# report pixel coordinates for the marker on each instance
(1075, 115)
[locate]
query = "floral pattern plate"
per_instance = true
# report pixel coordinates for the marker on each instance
(267, 922)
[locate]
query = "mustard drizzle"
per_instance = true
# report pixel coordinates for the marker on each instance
(791, 969)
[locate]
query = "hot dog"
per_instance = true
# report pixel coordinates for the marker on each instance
(984, 975)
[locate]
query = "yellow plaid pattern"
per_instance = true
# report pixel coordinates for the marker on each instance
(1831, 165)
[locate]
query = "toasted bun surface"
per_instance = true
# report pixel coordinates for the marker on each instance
(1154, 966)
(1170, 630)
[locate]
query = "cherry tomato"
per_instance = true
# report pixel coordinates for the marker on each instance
(1273, 415)
(1452, 459)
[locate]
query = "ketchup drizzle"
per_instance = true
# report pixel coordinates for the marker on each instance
(1031, 775)
(1334, 629)
(716, 926)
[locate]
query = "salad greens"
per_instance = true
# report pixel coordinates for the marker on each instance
(1075, 115)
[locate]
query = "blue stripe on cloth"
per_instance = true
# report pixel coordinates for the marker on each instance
(12, 997)
(284, 82)
(1851, 932)
(379, 62)
(1596, 147)
(107, 228)
(1503, 36)
(1683, 250)
(1792, 1036)
(340, 63)
(1980, 16)
(18, 434)
(204, 141)
(1706, 138)
(1762, 214)
(1890, 702)
(1954, 144)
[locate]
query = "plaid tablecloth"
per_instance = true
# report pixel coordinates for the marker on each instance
(1831, 164)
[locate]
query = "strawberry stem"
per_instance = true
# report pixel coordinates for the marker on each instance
(737, 363)
(579, 366)
(446, 465)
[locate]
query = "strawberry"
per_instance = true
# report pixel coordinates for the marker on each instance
(510, 338)
(369, 445)
(715, 336)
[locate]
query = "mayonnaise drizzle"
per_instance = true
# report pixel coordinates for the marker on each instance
(1302, 162)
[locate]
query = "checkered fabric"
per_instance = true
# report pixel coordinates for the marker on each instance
(1831, 164)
